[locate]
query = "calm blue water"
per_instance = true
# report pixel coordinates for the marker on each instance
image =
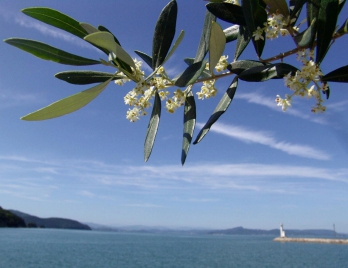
(74, 249)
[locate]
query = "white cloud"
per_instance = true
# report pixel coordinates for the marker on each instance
(88, 177)
(259, 99)
(267, 139)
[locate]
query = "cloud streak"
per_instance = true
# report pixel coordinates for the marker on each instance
(89, 178)
(259, 99)
(264, 138)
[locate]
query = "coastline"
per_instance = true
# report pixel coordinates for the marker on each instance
(311, 240)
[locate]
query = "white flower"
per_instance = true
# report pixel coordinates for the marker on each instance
(284, 103)
(258, 33)
(133, 114)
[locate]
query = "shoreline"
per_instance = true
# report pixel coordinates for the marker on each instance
(311, 240)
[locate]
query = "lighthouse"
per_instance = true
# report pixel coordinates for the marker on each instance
(282, 232)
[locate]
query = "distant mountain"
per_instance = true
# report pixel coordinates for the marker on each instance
(275, 232)
(56, 223)
(9, 219)
(232, 231)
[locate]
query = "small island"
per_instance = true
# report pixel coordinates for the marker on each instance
(283, 238)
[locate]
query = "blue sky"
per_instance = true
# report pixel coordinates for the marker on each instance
(256, 168)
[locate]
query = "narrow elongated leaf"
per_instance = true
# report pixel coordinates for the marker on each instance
(237, 67)
(106, 40)
(255, 16)
(189, 124)
(56, 19)
(144, 57)
(231, 33)
(164, 33)
(278, 6)
(295, 10)
(328, 14)
(338, 75)
(174, 47)
(104, 29)
(219, 110)
(86, 77)
(191, 74)
(217, 45)
(341, 5)
(264, 73)
(46, 52)
(243, 40)
(313, 7)
(203, 46)
(67, 105)
(227, 12)
(88, 27)
(305, 38)
(152, 127)
(344, 28)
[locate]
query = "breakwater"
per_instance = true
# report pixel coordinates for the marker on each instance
(311, 240)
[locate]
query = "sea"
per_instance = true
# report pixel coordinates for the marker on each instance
(53, 248)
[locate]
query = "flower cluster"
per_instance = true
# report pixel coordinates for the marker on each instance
(301, 80)
(139, 98)
(275, 26)
(208, 89)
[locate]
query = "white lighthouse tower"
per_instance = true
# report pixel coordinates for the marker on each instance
(282, 232)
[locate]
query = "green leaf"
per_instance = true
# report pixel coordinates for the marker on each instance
(344, 28)
(264, 73)
(340, 5)
(278, 6)
(46, 52)
(237, 67)
(203, 46)
(189, 124)
(86, 77)
(243, 40)
(152, 127)
(174, 47)
(191, 74)
(328, 14)
(67, 105)
(255, 16)
(295, 9)
(56, 19)
(313, 7)
(88, 28)
(231, 33)
(338, 75)
(106, 40)
(104, 29)
(217, 45)
(204, 74)
(164, 33)
(220, 109)
(227, 12)
(144, 57)
(305, 38)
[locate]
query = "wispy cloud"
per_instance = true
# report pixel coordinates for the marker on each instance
(259, 99)
(267, 139)
(86, 178)
(9, 99)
